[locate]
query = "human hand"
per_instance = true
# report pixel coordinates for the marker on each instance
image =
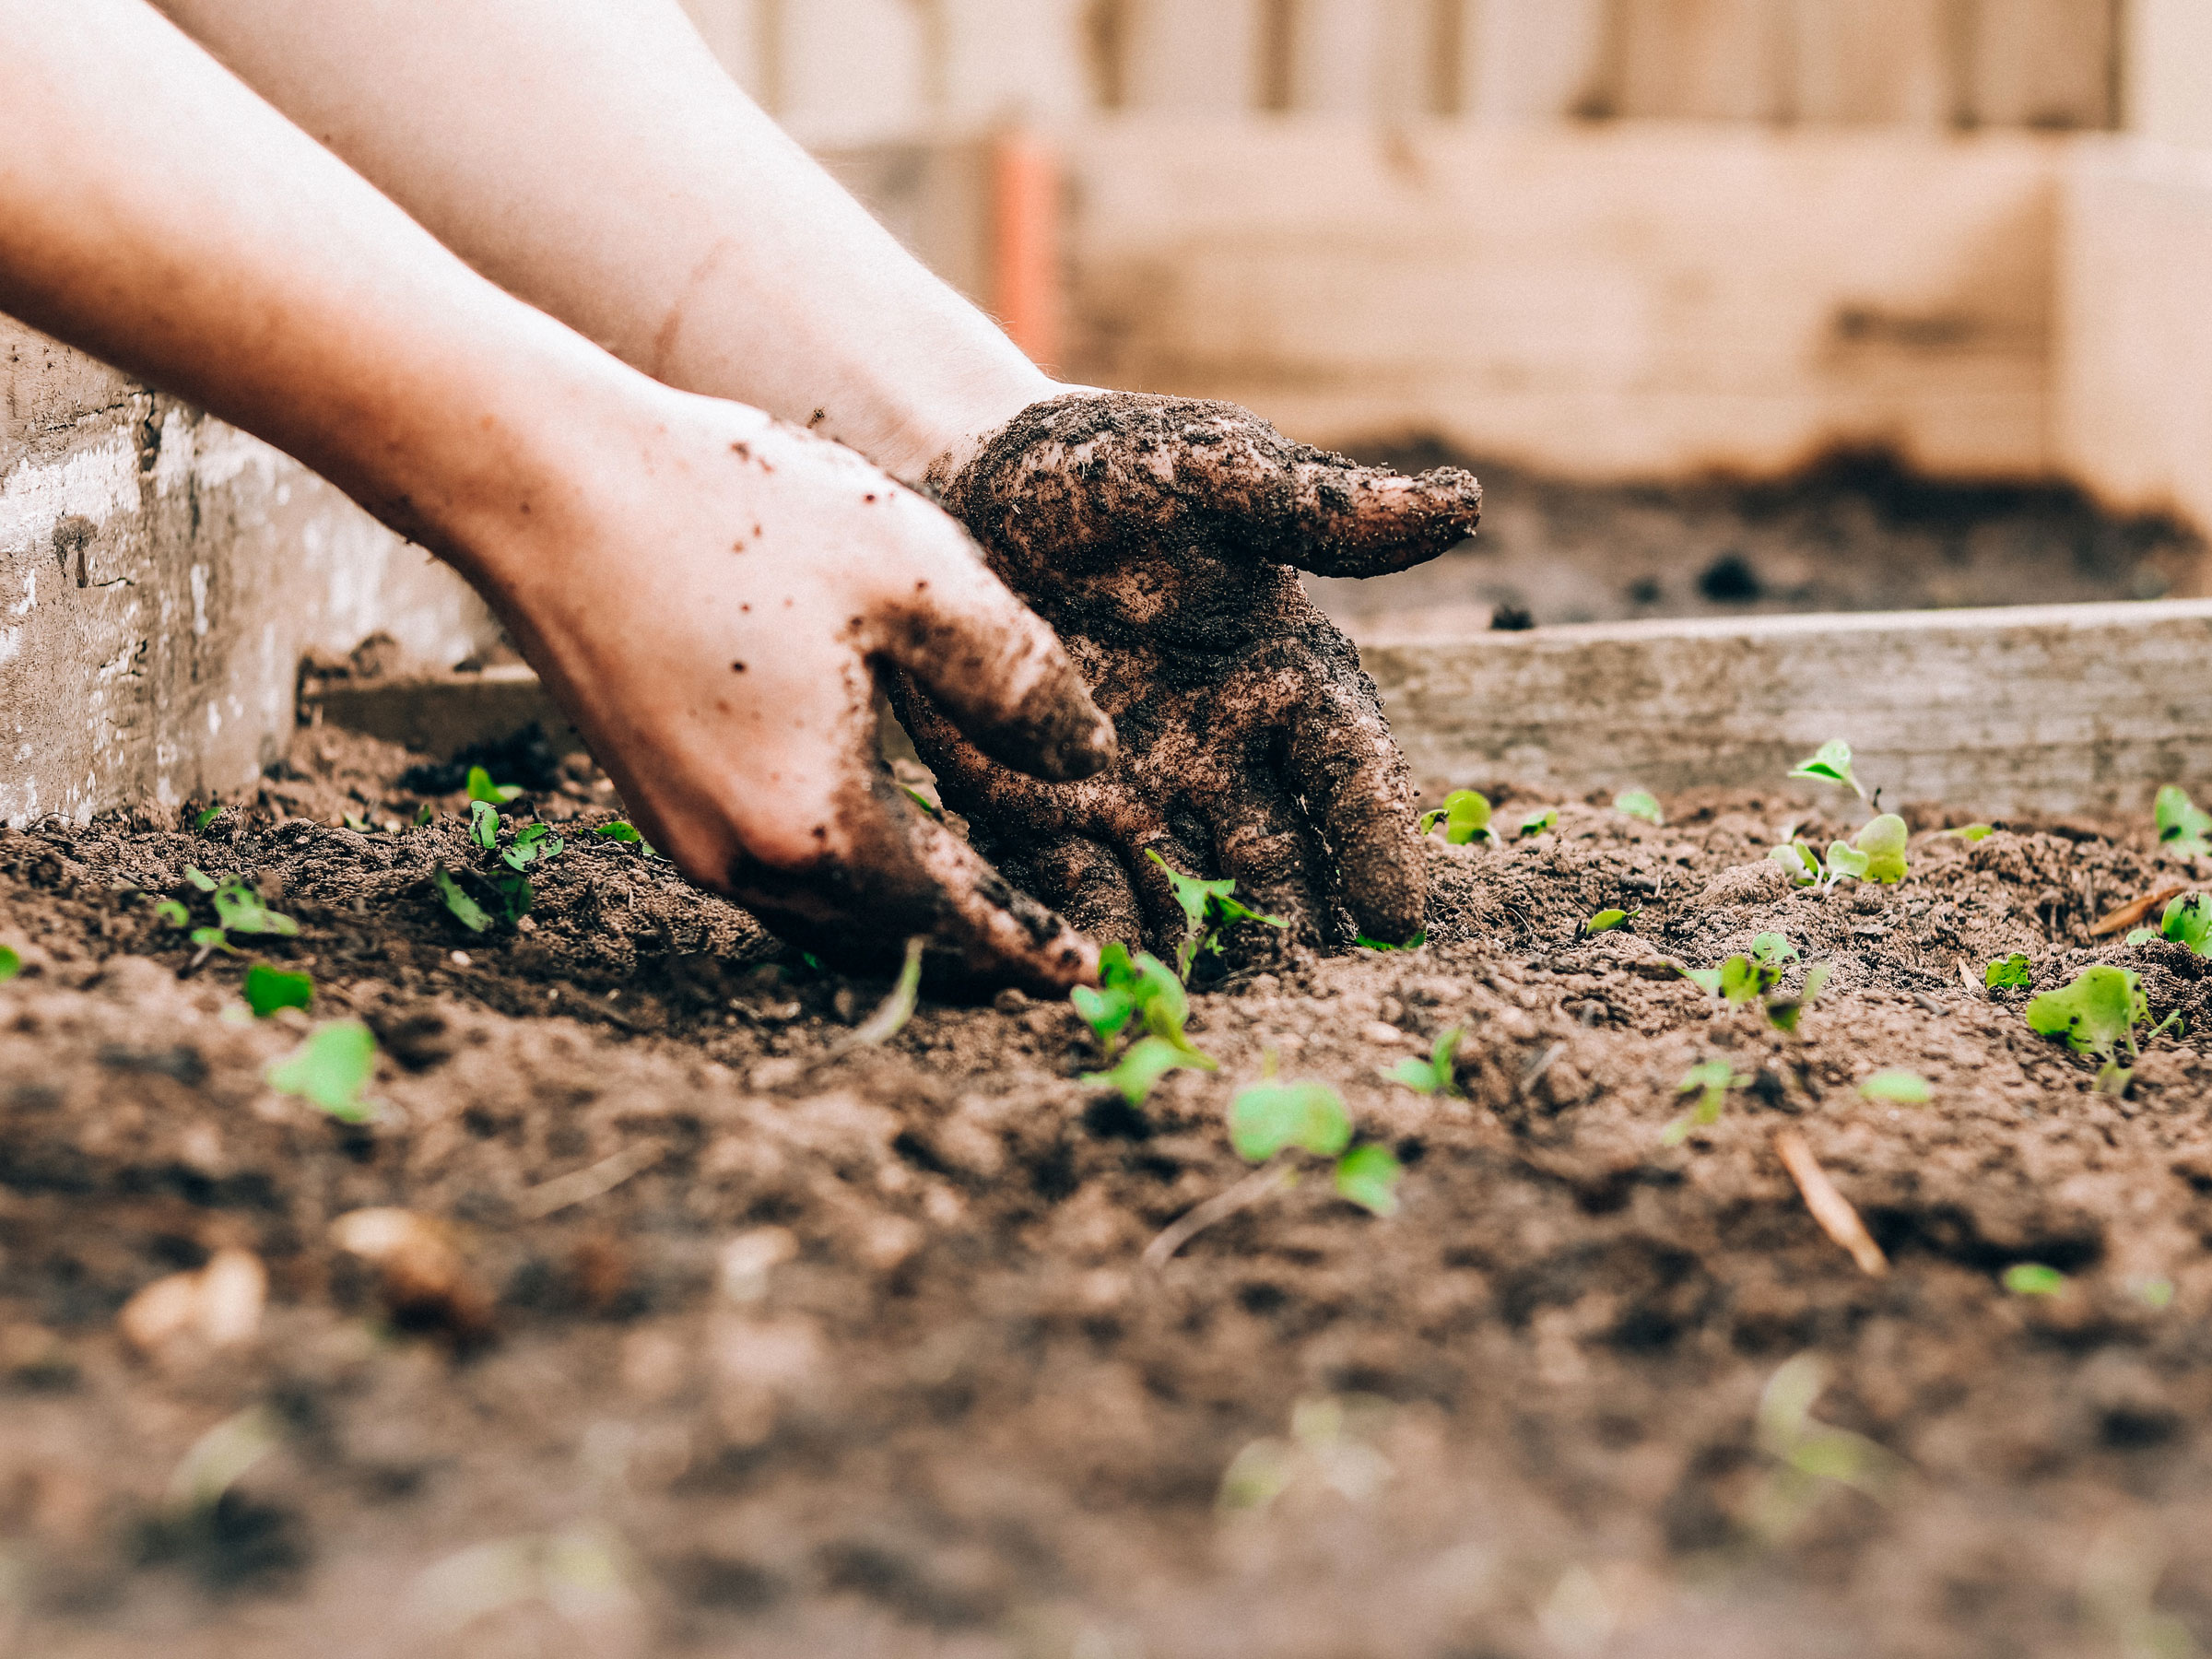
(1158, 537)
(710, 602)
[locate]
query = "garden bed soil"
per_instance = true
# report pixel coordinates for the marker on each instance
(719, 1335)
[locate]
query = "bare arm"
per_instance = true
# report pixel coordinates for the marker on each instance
(709, 593)
(596, 159)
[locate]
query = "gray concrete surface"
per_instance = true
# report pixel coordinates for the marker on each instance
(161, 575)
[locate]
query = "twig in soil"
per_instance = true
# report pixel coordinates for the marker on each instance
(2128, 914)
(580, 1186)
(895, 1010)
(1829, 1207)
(1542, 1064)
(1261, 1184)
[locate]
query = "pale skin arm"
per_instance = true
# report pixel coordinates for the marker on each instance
(709, 593)
(594, 159)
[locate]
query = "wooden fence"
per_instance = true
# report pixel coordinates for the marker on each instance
(848, 71)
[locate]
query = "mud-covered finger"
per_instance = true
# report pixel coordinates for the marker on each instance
(1263, 846)
(903, 874)
(1360, 794)
(1084, 882)
(1347, 520)
(994, 667)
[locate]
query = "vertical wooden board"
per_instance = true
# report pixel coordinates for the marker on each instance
(1533, 60)
(1865, 62)
(736, 32)
(1015, 62)
(2056, 708)
(856, 71)
(1723, 59)
(2167, 77)
(1192, 57)
(1336, 47)
(2045, 63)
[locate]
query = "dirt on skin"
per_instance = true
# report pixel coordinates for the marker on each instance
(718, 1334)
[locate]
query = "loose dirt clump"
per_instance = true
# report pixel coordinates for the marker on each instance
(663, 1319)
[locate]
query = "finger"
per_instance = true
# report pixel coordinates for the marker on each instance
(1085, 883)
(902, 874)
(1262, 844)
(995, 669)
(1349, 520)
(1361, 794)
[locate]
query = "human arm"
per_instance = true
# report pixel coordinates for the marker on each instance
(641, 543)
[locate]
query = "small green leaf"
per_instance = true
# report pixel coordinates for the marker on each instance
(1606, 921)
(2181, 825)
(1772, 947)
(1536, 822)
(621, 831)
(1710, 1080)
(535, 844)
(1904, 1088)
(1466, 816)
(2096, 1014)
(2141, 935)
(1638, 804)
(1743, 979)
(423, 815)
(2188, 920)
(1364, 943)
(466, 911)
(239, 909)
(895, 1010)
(2007, 972)
(212, 938)
(1105, 1012)
(1883, 842)
(268, 989)
(1843, 859)
(918, 799)
(205, 816)
(330, 1069)
(1973, 833)
(172, 913)
(481, 788)
(1268, 1117)
(483, 824)
(1830, 765)
(11, 963)
(1148, 1060)
(205, 883)
(2032, 1279)
(1368, 1176)
(1801, 861)
(1707, 980)
(1435, 1075)
(1784, 1012)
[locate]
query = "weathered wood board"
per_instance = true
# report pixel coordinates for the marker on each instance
(2054, 708)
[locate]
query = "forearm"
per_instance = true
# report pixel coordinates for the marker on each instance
(155, 212)
(596, 159)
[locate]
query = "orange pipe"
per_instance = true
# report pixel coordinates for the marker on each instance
(1025, 243)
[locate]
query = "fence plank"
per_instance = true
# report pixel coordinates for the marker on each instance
(1533, 60)
(1705, 59)
(1191, 58)
(2042, 62)
(1857, 62)
(2046, 708)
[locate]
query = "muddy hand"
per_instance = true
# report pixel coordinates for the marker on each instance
(1161, 539)
(717, 635)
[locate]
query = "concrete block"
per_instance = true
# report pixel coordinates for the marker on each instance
(1606, 302)
(160, 576)
(2036, 708)
(2134, 360)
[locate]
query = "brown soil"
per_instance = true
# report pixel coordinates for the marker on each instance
(855, 1353)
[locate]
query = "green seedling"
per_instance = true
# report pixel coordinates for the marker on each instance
(1973, 833)
(1772, 947)
(1638, 804)
(1209, 909)
(238, 909)
(621, 831)
(423, 815)
(1737, 980)
(1139, 990)
(481, 788)
(358, 823)
(1536, 822)
(922, 801)
(199, 878)
(1466, 816)
(171, 912)
(1810, 1456)
(2181, 828)
(11, 963)
(1899, 1088)
(1270, 1118)
(1831, 764)
(2032, 1279)
(205, 816)
(1139, 1071)
(1784, 1012)
(1606, 921)
(1435, 1075)
(484, 824)
(534, 843)
(1876, 853)
(2187, 920)
(1801, 861)
(330, 1070)
(2097, 1015)
(466, 911)
(268, 989)
(1418, 939)
(1710, 1082)
(897, 1008)
(2005, 974)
